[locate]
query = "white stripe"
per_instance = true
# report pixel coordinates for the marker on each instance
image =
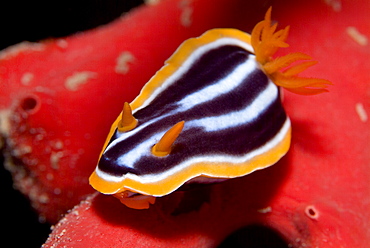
(236, 118)
(223, 86)
(279, 137)
(209, 124)
(189, 62)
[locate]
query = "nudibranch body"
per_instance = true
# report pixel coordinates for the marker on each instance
(213, 112)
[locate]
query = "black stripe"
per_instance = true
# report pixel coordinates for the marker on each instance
(208, 69)
(195, 141)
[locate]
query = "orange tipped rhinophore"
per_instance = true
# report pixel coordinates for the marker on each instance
(128, 121)
(163, 147)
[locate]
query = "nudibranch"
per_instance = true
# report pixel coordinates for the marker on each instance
(211, 113)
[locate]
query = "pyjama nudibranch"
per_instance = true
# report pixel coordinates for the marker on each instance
(213, 112)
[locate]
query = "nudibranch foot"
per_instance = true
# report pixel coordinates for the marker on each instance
(135, 201)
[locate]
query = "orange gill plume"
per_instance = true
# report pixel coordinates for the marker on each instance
(265, 42)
